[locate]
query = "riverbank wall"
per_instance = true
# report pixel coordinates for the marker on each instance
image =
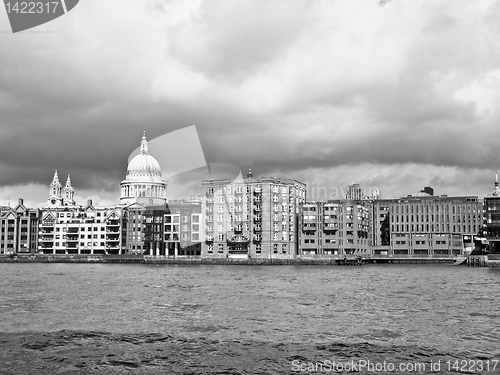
(144, 259)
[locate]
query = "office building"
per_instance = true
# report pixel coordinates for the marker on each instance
(424, 225)
(183, 228)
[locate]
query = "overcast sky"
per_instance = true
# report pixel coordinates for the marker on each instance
(396, 96)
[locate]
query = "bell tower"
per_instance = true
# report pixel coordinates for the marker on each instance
(55, 192)
(68, 194)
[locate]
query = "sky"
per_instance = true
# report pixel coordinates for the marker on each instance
(394, 95)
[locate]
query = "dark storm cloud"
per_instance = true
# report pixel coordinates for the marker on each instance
(232, 39)
(300, 89)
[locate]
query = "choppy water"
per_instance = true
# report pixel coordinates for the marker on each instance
(101, 318)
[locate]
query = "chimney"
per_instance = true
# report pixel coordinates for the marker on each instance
(249, 174)
(89, 202)
(21, 201)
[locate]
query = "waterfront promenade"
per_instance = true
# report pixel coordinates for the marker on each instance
(194, 260)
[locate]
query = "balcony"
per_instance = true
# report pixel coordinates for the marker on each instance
(236, 238)
(257, 220)
(257, 228)
(331, 220)
(309, 229)
(330, 228)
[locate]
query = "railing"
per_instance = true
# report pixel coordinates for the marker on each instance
(331, 227)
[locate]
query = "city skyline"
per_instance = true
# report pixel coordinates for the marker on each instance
(394, 97)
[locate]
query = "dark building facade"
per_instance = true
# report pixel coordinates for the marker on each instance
(491, 225)
(183, 228)
(143, 229)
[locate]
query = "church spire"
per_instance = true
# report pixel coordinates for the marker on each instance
(68, 182)
(55, 180)
(144, 143)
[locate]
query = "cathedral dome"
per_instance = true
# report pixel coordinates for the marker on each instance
(144, 163)
(143, 182)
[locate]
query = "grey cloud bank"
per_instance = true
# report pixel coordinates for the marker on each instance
(398, 96)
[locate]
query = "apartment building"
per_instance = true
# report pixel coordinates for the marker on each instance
(252, 217)
(337, 228)
(19, 229)
(80, 230)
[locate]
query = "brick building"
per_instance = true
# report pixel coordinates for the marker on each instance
(252, 217)
(338, 228)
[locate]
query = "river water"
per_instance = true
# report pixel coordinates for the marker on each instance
(209, 319)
